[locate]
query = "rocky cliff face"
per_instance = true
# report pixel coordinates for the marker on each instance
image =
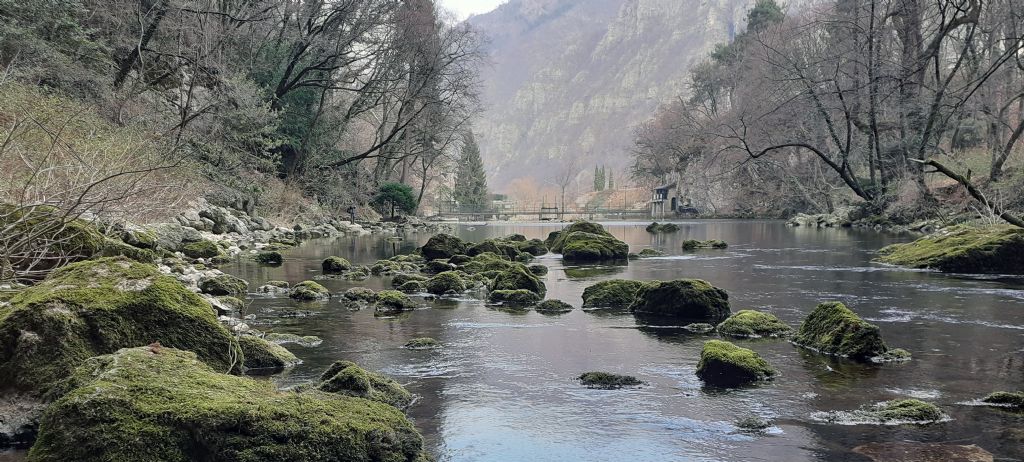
(572, 77)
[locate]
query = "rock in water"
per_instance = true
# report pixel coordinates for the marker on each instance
(690, 299)
(963, 249)
(752, 323)
(443, 246)
(911, 451)
(586, 241)
(553, 306)
(613, 293)
(446, 282)
(264, 357)
(514, 298)
(1009, 399)
(309, 291)
(835, 330)
(335, 265)
(608, 381)
(901, 411)
(96, 307)
(723, 364)
(347, 378)
(163, 404)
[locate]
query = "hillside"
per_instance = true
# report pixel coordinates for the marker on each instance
(572, 77)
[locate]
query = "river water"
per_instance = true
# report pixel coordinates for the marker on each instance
(502, 389)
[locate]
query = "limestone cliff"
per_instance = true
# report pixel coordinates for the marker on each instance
(572, 77)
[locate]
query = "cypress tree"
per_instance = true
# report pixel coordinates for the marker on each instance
(611, 181)
(470, 178)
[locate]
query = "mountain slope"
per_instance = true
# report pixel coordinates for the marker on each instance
(572, 77)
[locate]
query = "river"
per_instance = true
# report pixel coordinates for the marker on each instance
(502, 387)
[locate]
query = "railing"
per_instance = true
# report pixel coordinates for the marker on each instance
(509, 211)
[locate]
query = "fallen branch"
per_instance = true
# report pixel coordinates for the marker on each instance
(973, 191)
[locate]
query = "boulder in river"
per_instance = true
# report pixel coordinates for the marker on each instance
(658, 228)
(269, 257)
(518, 277)
(264, 357)
(723, 364)
(223, 284)
(553, 306)
(613, 293)
(1007, 399)
(901, 411)
(443, 246)
(607, 380)
(688, 299)
(390, 302)
(347, 378)
(835, 330)
(514, 298)
(963, 249)
(335, 265)
(752, 323)
(309, 291)
(448, 282)
(693, 244)
(422, 343)
(96, 307)
(201, 249)
(586, 241)
(163, 404)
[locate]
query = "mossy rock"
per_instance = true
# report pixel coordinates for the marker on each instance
(835, 330)
(140, 238)
(648, 253)
(162, 404)
(223, 284)
(279, 338)
(487, 262)
(659, 228)
(234, 304)
(393, 301)
(1014, 400)
(422, 343)
(361, 293)
(535, 247)
(608, 381)
(613, 293)
(509, 250)
(553, 306)
(902, 411)
(96, 307)
(335, 265)
(693, 244)
(262, 356)
(444, 283)
(278, 284)
(518, 277)
(586, 241)
(347, 378)
(538, 270)
(443, 246)
(201, 249)
(963, 249)
(399, 279)
(459, 260)
(411, 287)
(269, 257)
(752, 323)
(723, 364)
(692, 299)
(309, 291)
(437, 267)
(514, 298)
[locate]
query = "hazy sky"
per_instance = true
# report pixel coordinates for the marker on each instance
(464, 8)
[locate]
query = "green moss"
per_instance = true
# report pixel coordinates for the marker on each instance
(693, 244)
(507, 249)
(335, 265)
(487, 262)
(401, 279)
(97, 307)
(411, 287)
(1005, 398)
(586, 241)
(723, 364)
(446, 282)
(657, 228)
(751, 323)
(262, 356)
(647, 253)
(538, 270)
(233, 303)
(888, 412)
(223, 284)
(361, 293)
(443, 246)
(269, 258)
(608, 381)
(279, 284)
(553, 306)
(347, 378)
(517, 298)
(753, 424)
(835, 330)
(308, 341)
(613, 293)
(162, 404)
(392, 301)
(693, 299)
(143, 239)
(309, 291)
(518, 277)
(201, 249)
(422, 343)
(963, 249)
(535, 247)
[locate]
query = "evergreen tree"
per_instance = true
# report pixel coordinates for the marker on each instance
(611, 181)
(597, 178)
(470, 179)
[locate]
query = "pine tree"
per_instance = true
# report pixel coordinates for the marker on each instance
(597, 178)
(470, 179)
(611, 181)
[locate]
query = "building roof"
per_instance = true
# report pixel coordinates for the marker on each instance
(666, 187)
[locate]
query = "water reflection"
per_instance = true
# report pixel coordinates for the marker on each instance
(502, 386)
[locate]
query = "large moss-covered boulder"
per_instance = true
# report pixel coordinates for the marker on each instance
(201, 249)
(390, 302)
(223, 284)
(96, 307)
(901, 411)
(963, 249)
(535, 247)
(269, 257)
(586, 241)
(263, 357)
(446, 282)
(553, 307)
(1008, 399)
(752, 323)
(613, 293)
(658, 228)
(335, 265)
(690, 299)
(723, 364)
(514, 298)
(518, 277)
(309, 291)
(694, 244)
(505, 248)
(162, 404)
(835, 330)
(443, 246)
(488, 262)
(347, 378)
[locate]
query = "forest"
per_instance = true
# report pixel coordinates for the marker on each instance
(905, 110)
